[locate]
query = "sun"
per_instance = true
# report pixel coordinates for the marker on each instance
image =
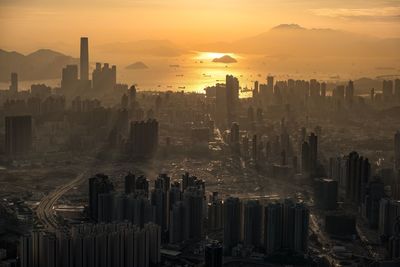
(212, 55)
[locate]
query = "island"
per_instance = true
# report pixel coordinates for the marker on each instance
(225, 59)
(137, 66)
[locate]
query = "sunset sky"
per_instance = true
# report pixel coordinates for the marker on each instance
(26, 25)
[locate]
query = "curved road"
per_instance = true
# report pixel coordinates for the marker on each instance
(45, 209)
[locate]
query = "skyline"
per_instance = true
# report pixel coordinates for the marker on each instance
(127, 21)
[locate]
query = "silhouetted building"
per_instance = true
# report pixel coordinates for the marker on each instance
(144, 138)
(232, 224)
(252, 224)
(387, 90)
(193, 202)
(18, 134)
(397, 150)
(104, 78)
(84, 59)
(375, 191)
(99, 184)
(326, 193)
(69, 79)
(358, 172)
(14, 83)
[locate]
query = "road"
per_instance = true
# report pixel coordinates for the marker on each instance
(45, 209)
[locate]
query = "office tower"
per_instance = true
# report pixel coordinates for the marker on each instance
(397, 150)
(178, 228)
(84, 59)
(252, 224)
(221, 105)
(397, 89)
(130, 183)
(326, 193)
(389, 211)
(232, 224)
(213, 254)
(69, 78)
(18, 134)
(193, 202)
(14, 83)
(104, 78)
(215, 214)
(143, 138)
(358, 171)
(305, 158)
(350, 93)
(301, 222)
(387, 90)
(99, 184)
(232, 96)
(313, 142)
(375, 191)
(273, 216)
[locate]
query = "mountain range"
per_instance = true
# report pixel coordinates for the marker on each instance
(39, 65)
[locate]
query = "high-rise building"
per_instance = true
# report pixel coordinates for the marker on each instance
(213, 254)
(84, 59)
(232, 96)
(389, 211)
(178, 225)
(14, 83)
(232, 223)
(144, 138)
(273, 216)
(358, 172)
(104, 77)
(252, 224)
(193, 202)
(375, 191)
(397, 150)
(99, 184)
(326, 193)
(215, 214)
(18, 134)
(305, 158)
(69, 79)
(286, 227)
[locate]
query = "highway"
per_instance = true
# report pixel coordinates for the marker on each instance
(45, 209)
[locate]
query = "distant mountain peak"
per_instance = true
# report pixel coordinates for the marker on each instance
(288, 27)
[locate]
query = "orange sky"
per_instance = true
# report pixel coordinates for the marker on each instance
(26, 25)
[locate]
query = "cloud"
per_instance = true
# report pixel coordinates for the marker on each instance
(380, 14)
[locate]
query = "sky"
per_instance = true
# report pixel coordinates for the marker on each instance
(26, 25)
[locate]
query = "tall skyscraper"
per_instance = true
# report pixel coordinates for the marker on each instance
(273, 216)
(144, 138)
(350, 93)
(193, 201)
(387, 90)
(84, 59)
(18, 134)
(313, 142)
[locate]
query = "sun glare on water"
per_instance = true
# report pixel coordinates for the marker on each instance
(212, 55)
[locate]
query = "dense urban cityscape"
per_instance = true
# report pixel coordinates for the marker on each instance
(98, 173)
